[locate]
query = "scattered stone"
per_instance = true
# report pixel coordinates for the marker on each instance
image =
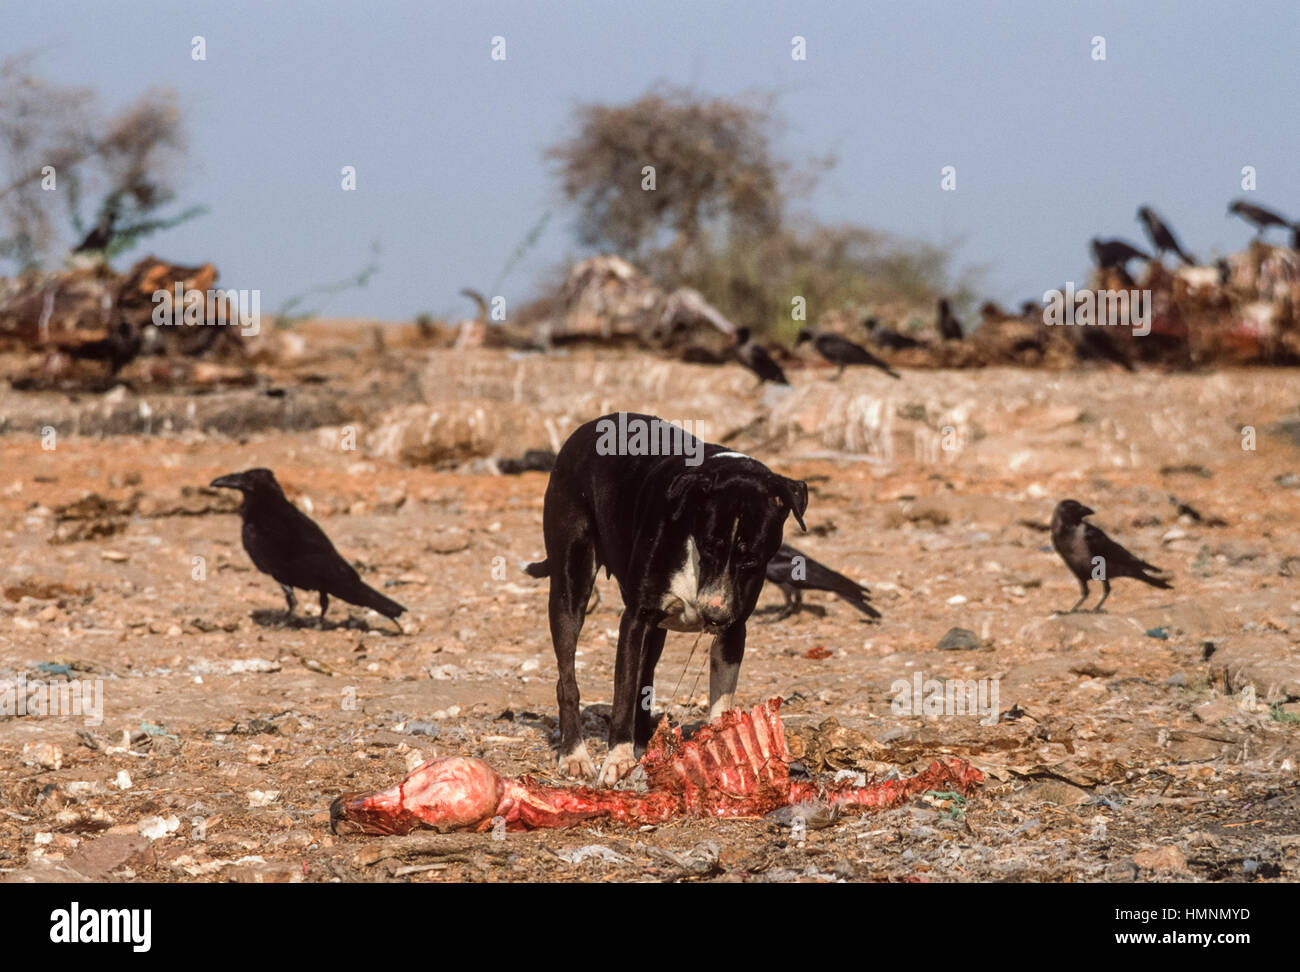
(264, 873)
(102, 856)
(958, 639)
(598, 852)
(261, 665)
(262, 798)
(42, 755)
(1167, 857)
(811, 816)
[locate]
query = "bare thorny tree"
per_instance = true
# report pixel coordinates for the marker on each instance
(65, 157)
(717, 217)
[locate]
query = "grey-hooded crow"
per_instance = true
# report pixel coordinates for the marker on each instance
(795, 572)
(1091, 555)
(284, 542)
(754, 357)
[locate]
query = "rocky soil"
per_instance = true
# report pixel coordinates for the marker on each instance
(1157, 741)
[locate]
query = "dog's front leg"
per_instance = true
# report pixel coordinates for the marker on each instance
(724, 668)
(636, 635)
(645, 694)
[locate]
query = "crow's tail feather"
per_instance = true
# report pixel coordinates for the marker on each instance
(859, 601)
(820, 577)
(540, 568)
(1160, 582)
(364, 595)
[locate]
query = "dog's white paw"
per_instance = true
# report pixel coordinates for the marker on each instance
(617, 765)
(577, 764)
(721, 704)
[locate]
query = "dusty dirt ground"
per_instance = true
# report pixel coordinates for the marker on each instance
(1157, 741)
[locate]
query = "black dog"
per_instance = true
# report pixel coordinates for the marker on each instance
(687, 528)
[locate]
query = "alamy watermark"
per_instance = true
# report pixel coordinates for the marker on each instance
(933, 697)
(83, 697)
(180, 306)
(1112, 308)
(635, 436)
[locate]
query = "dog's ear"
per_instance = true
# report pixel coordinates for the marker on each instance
(682, 490)
(793, 494)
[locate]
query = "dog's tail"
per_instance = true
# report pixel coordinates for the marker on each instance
(539, 568)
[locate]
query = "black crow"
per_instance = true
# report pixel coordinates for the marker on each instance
(795, 572)
(1091, 555)
(1115, 254)
(1162, 238)
(1258, 216)
(887, 337)
(122, 346)
(948, 324)
(534, 460)
(101, 235)
(697, 354)
(757, 360)
(843, 352)
(287, 544)
(1099, 344)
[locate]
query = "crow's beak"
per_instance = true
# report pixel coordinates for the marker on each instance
(232, 481)
(1085, 511)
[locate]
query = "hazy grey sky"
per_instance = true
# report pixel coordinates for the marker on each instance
(1051, 147)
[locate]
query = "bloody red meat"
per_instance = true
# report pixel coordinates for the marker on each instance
(737, 766)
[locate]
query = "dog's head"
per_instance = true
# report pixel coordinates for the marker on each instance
(732, 511)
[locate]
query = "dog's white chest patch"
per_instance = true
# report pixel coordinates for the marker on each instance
(681, 601)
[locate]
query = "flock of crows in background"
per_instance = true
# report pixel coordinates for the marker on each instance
(286, 544)
(1113, 254)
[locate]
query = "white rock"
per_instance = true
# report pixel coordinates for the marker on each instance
(262, 798)
(42, 755)
(156, 827)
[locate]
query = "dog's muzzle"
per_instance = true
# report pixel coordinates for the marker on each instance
(715, 618)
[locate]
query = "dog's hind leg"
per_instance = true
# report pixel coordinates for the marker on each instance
(571, 584)
(724, 669)
(639, 641)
